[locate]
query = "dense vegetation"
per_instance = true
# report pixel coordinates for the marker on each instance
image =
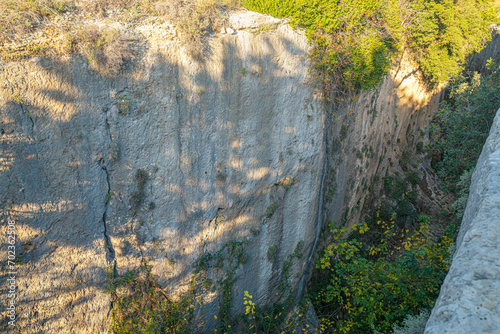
(382, 275)
(354, 41)
(379, 275)
(463, 122)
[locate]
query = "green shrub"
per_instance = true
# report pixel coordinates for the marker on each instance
(353, 41)
(271, 209)
(271, 254)
(462, 124)
(413, 177)
(377, 283)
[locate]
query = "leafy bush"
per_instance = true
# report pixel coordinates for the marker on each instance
(271, 254)
(354, 40)
(379, 283)
(462, 124)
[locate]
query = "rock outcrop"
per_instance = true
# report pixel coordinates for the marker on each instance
(180, 163)
(168, 162)
(375, 134)
(469, 301)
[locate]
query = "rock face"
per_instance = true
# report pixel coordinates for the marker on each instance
(180, 162)
(166, 163)
(375, 134)
(469, 301)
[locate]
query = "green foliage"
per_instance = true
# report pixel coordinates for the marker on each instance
(109, 196)
(141, 306)
(229, 258)
(353, 41)
(271, 209)
(462, 124)
(444, 33)
(18, 260)
(271, 254)
(114, 282)
(413, 178)
(379, 275)
(287, 182)
(123, 105)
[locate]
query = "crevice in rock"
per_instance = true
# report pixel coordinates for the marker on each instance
(109, 245)
(110, 250)
(110, 254)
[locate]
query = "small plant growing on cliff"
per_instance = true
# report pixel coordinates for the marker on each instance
(271, 209)
(105, 50)
(271, 254)
(123, 105)
(287, 182)
(413, 324)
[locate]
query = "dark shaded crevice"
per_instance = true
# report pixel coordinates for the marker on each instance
(110, 253)
(110, 256)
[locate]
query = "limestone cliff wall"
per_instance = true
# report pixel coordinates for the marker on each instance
(237, 148)
(233, 147)
(469, 301)
(375, 134)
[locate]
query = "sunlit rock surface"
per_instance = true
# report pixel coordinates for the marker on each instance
(233, 145)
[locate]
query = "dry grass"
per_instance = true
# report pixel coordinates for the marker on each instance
(20, 17)
(105, 49)
(195, 18)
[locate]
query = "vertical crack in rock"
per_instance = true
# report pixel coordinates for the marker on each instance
(110, 250)
(109, 245)
(110, 254)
